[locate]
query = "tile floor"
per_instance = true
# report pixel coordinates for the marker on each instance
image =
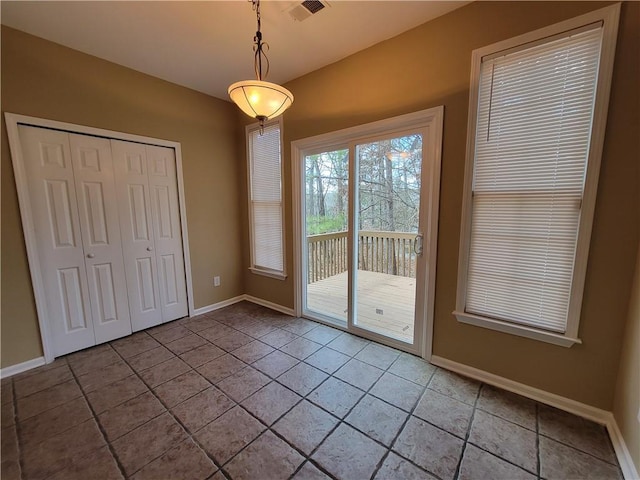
(248, 393)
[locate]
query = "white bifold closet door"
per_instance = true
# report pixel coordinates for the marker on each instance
(73, 200)
(151, 233)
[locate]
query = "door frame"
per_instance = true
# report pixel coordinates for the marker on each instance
(431, 122)
(12, 121)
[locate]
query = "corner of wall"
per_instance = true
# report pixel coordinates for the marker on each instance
(626, 406)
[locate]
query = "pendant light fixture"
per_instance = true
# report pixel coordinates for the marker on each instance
(257, 98)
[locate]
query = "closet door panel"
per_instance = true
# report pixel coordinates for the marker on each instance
(134, 205)
(71, 299)
(98, 214)
(170, 293)
(167, 231)
(52, 194)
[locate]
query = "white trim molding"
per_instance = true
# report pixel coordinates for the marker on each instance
(429, 123)
(581, 409)
(12, 370)
(266, 273)
(520, 330)
(254, 268)
(625, 460)
(594, 414)
(608, 17)
(12, 122)
(247, 298)
(216, 306)
(271, 305)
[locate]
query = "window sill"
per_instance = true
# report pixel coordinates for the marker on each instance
(519, 330)
(268, 273)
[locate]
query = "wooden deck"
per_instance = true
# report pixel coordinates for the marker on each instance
(385, 302)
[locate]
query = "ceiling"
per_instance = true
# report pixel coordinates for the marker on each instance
(207, 45)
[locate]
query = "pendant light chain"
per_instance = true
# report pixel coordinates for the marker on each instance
(259, 46)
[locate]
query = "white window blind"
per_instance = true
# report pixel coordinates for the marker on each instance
(535, 111)
(266, 199)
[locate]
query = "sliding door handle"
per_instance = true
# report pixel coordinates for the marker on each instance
(417, 245)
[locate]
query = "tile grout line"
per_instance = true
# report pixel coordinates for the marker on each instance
(529, 429)
(577, 449)
(230, 352)
(339, 422)
(59, 382)
(17, 421)
(98, 424)
(534, 430)
(573, 447)
(342, 420)
(468, 433)
(145, 383)
(305, 458)
(409, 415)
(268, 427)
(14, 399)
(167, 410)
(537, 433)
(86, 395)
(503, 459)
(538, 462)
(220, 466)
(404, 424)
(305, 397)
(275, 433)
(333, 429)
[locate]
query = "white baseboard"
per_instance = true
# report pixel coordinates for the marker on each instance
(627, 466)
(577, 408)
(583, 410)
(271, 305)
(37, 362)
(217, 306)
(240, 298)
(21, 367)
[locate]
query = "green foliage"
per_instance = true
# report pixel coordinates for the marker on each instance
(317, 224)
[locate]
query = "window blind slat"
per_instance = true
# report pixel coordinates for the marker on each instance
(267, 237)
(535, 109)
(266, 198)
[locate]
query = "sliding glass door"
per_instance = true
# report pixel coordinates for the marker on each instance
(368, 208)
(387, 245)
(362, 238)
(326, 218)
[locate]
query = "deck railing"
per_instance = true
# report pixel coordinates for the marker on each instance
(384, 252)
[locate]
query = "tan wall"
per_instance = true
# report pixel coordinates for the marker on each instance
(46, 80)
(626, 407)
(430, 66)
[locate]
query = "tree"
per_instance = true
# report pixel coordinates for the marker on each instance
(388, 177)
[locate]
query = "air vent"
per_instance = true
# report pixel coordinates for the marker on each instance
(304, 10)
(314, 6)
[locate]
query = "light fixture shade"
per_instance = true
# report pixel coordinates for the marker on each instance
(259, 99)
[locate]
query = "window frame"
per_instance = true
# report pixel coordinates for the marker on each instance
(609, 16)
(253, 268)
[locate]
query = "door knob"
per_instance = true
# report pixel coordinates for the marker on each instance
(149, 249)
(417, 246)
(90, 255)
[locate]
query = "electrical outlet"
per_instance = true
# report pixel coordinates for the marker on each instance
(216, 281)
